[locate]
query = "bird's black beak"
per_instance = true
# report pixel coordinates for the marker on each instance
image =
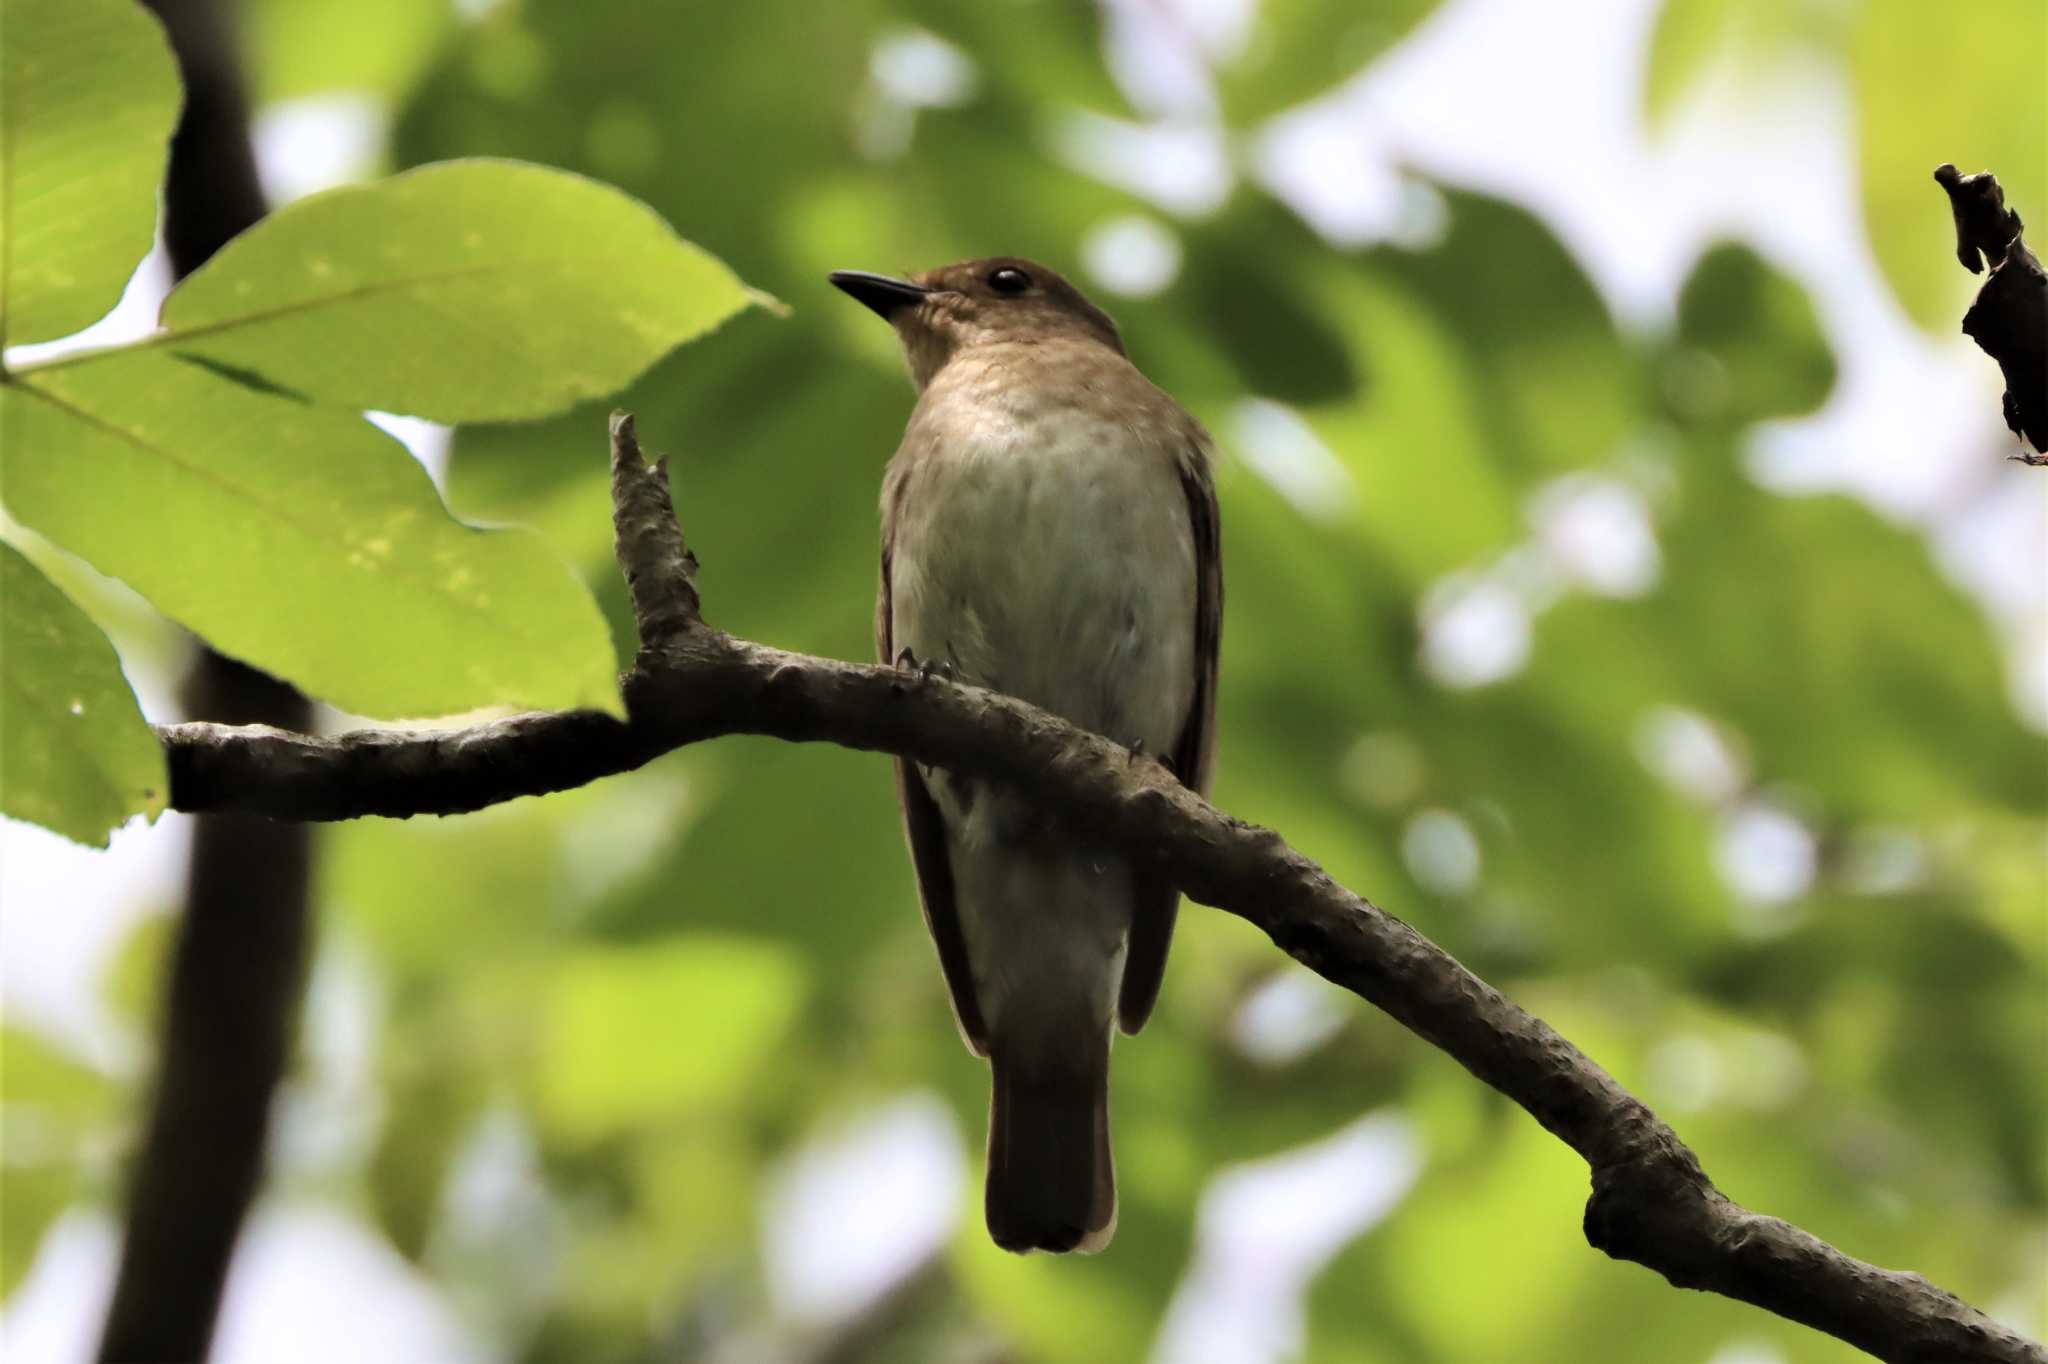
(879, 292)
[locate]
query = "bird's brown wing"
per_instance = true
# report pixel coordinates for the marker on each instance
(1157, 901)
(927, 835)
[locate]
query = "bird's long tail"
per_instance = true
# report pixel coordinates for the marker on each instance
(1051, 1180)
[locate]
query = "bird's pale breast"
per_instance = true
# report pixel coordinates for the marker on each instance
(1044, 549)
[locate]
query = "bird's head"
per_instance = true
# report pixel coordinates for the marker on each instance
(1004, 299)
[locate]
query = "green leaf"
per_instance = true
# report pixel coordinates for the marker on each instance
(433, 1107)
(834, 904)
(88, 98)
(1559, 390)
(1052, 1306)
(1686, 38)
(1046, 51)
(1421, 392)
(1749, 344)
(1935, 84)
(34, 1072)
(298, 538)
(638, 1035)
(79, 757)
(1298, 49)
(1743, 39)
(465, 291)
(53, 1110)
(1268, 319)
(30, 1200)
(1786, 613)
(309, 47)
(1931, 86)
(554, 82)
(132, 981)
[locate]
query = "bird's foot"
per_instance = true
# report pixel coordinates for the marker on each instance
(1138, 753)
(926, 669)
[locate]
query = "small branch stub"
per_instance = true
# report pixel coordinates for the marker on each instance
(2009, 319)
(661, 573)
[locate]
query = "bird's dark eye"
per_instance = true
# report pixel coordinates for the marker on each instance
(1009, 280)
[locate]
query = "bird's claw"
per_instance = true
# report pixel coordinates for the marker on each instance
(925, 669)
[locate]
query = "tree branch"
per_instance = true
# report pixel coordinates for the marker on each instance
(2009, 320)
(1651, 1201)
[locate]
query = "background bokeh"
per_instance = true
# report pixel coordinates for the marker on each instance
(1628, 585)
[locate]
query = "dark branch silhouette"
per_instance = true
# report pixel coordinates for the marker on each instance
(2009, 319)
(238, 957)
(1651, 1201)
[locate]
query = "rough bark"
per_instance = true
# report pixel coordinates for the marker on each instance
(1651, 1201)
(2009, 319)
(239, 951)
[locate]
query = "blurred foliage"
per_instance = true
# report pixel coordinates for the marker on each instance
(1693, 37)
(57, 1112)
(361, 48)
(1977, 100)
(669, 985)
(1298, 49)
(1930, 84)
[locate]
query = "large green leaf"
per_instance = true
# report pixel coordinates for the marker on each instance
(1936, 84)
(466, 291)
(298, 538)
(88, 97)
(78, 757)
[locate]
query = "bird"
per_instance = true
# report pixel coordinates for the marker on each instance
(1049, 530)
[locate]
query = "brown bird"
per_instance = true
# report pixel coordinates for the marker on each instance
(1049, 530)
